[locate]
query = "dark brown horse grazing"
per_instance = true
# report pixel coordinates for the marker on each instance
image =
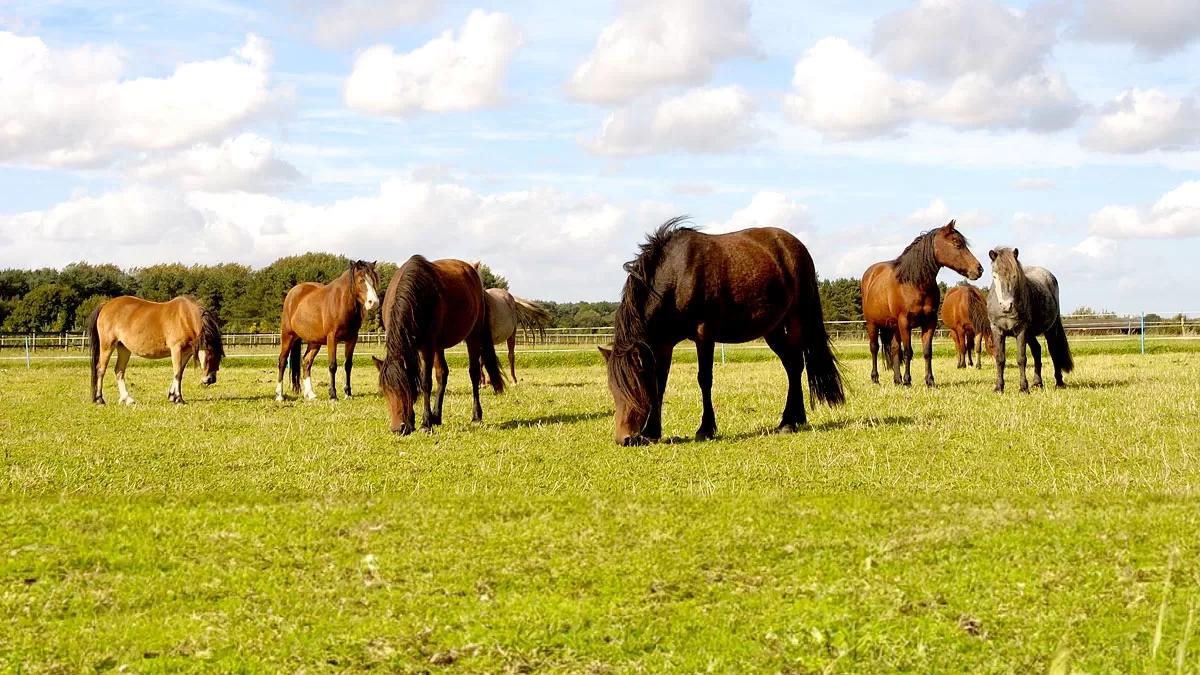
(325, 314)
(902, 294)
(153, 330)
(430, 307)
(965, 315)
(687, 285)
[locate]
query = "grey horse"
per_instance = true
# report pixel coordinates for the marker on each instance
(1023, 303)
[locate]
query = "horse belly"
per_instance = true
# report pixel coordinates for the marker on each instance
(146, 345)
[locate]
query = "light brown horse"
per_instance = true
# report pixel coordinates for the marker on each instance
(321, 314)
(430, 307)
(507, 312)
(153, 330)
(964, 313)
(736, 287)
(902, 294)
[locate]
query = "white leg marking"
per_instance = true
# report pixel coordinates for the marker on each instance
(125, 397)
(308, 390)
(279, 390)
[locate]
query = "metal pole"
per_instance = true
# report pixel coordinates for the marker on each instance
(1143, 332)
(27, 352)
(722, 353)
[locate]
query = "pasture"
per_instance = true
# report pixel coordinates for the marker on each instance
(915, 530)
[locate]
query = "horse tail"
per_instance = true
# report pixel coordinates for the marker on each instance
(824, 375)
(93, 331)
(488, 350)
(532, 317)
(1060, 351)
(885, 341)
(294, 364)
(977, 312)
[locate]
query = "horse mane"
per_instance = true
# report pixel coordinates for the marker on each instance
(918, 264)
(977, 310)
(629, 333)
(210, 336)
(412, 312)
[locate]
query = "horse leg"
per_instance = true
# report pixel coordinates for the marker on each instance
(957, 337)
(475, 360)
(1022, 337)
(704, 376)
(310, 356)
(927, 352)
(873, 340)
(101, 369)
(652, 431)
(904, 356)
(1035, 350)
(179, 361)
(286, 340)
(512, 355)
(426, 388)
(483, 376)
(349, 364)
(979, 351)
(122, 361)
(333, 364)
(969, 343)
(792, 356)
(1000, 339)
(443, 373)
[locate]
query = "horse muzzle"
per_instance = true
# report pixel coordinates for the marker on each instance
(208, 380)
(976, 273)
(635, 440)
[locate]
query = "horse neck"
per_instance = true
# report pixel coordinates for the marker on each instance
(918, 264)
(344, 291)
(638, 315)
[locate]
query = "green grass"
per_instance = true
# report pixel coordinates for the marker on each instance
(913, 530)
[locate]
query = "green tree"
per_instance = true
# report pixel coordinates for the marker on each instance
(492, 280)
(84, 310)
(44, 309)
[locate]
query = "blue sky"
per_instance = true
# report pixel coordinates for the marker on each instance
(548, 137)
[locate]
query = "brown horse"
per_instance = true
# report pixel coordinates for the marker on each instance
(153, 330)
(507, 312)
(730, 288)
(430, 307)
(902, 294)
(964, 312)
(325, 314)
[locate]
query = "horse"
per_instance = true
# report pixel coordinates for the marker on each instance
(965, 314)
(180, 328)
(1024, 303)
(688, 285)
(506, 312)
(325, 314)
(900, 294)
(430, 307)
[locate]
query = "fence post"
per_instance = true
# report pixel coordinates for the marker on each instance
(27, 366)
(722, 353)
(1143, 332)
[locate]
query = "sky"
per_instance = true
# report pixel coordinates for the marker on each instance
(547, 137)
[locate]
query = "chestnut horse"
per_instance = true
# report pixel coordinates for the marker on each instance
(430, 307)
(902, 294)
(729, 288)
(325, 314)
(965, 315)
(179, 328)
(507, 312)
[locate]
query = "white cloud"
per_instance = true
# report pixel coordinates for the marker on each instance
(70, 107)
(653, 43)
(1039, 102)
(938, 213)
(1176, 214)
(767, 209)
(447, 74)
(337, 23)
(1030, 184)
(1154, 27)
(1144, 120)
(841, 92)
(1033, 224)
(700, 121)
(246, 162)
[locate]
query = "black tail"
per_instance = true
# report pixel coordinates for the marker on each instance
(824, 375)
(294, 365)
(93, 331)
(487, 350)
(886, 335)
(1060, 351)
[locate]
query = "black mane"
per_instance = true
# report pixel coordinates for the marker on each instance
(639, 286)
(210, 336)
(918, 264)
(412, 312)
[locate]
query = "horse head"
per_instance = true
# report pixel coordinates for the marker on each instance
(950, 249)
(365, 280)
(634, 387)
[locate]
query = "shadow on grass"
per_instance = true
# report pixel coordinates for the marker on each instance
(567, 384)
(567, 418)
(832, 425)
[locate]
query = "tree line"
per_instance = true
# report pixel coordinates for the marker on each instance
(247, 300)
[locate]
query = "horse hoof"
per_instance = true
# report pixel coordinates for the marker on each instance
(705, 435)
(99, 401)
(998, 390)
(279, 398)
(787, 428)
(427, 428)
(1024, 390)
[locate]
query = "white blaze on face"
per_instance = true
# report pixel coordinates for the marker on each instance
(1003, 294)
(202, 357)
(372, 296)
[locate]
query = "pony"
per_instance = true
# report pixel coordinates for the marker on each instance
(325, 314)
(506, 312)
(688, 285)
(430, 307)
(965, 314)
(180, 328)
(1023, 303)
(900, 294)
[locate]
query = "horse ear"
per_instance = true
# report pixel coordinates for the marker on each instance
(950, 226)
(992, 254)
(606, 353)
(1014, 254)
(378, 363)
(476, 263)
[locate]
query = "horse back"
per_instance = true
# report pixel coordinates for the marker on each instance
(150, 329)
(462, 300)
(313, 310)
(955, 306)
(502, 313)
(1043, 297)
(884, 298)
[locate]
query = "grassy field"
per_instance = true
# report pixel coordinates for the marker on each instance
(913, 530)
